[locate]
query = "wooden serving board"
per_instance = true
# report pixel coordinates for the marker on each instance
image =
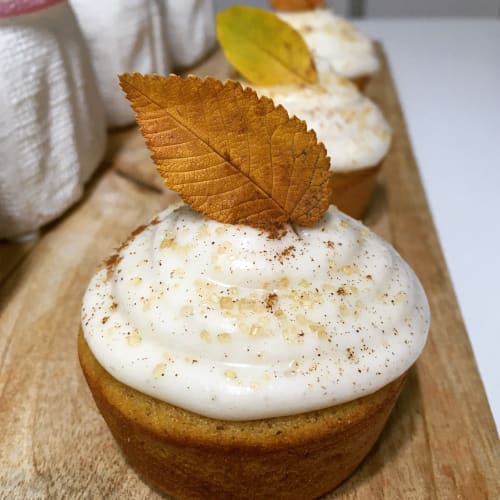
(440, 441)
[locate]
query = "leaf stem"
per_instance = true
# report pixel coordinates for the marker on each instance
(294, 229)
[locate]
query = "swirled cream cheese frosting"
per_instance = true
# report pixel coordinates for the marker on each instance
(223, 321)
(351, 126)
(336, 45)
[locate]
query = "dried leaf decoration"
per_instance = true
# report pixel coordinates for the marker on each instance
(295, 5)
(233, 157)
(263, 48)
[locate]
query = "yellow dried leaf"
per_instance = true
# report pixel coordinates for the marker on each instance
(292, 5)
(263, 48)
(233, 157)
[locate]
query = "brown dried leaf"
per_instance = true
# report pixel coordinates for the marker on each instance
(292, 5)
(234, 157)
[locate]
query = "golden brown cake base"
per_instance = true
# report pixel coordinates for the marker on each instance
(352, 190)
(189, 456)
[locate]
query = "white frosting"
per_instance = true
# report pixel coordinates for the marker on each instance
(336, 45)
(352, 128)
(222, 321)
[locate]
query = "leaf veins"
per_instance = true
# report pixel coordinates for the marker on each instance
(233, 157)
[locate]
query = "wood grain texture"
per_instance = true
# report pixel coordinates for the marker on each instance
(440, 442)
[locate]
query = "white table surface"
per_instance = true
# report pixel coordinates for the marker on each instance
(447, 73)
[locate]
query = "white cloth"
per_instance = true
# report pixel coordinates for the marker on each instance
(52, 128)
(190, 29)
(147, 36)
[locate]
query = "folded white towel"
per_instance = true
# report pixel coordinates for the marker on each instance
(148, 36)
(52, 128)
(190, 30)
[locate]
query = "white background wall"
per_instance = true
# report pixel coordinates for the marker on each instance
(397, 8)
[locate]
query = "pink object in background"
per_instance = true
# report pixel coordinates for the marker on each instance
(16, 7)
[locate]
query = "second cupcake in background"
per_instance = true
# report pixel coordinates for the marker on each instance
(354, 131)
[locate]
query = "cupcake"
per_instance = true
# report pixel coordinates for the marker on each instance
(337, 46)
(253, 343)
(353, 129)
(226, 363)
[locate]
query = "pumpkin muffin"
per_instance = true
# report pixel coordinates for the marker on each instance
(354, 131)
(229, 364)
